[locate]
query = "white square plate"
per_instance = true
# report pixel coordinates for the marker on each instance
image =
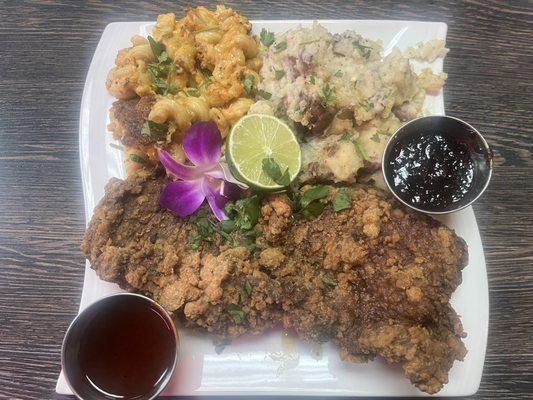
(266, 365)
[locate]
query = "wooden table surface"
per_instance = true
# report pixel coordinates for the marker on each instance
(45, 50)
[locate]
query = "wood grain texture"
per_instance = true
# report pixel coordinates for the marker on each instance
(46, 47)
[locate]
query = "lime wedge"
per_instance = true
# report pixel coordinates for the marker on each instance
(255, 137)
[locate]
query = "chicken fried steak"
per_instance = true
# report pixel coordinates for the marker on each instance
(376, 278)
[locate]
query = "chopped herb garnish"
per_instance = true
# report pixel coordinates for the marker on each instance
(153, 130)
(279, 74)
(363, 50)
(248, 83)
(346, 137)
(315, 193)
(137, 159)
(313, 210)
(266, 37)
(278, 48)
(342, 200)
(375, 137)
(338, 74)
(273, 170)
(157, 48)
(367, 105)
(328, 95)
(205, 230)
(162, 71)
(236, 312)
(328, 281)
(117, 146)
(361, 150)
(264, 94)
(246, 289)
(312, 79)
(244, 212)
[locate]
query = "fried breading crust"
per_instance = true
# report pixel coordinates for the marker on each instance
(376, 279)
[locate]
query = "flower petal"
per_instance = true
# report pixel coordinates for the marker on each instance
(178, 170)
(182, 198)
(211, 189)
(203, 144)
(230, 190)
(228, 176)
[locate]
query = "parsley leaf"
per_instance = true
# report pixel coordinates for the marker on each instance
(264, 94)
(266, 37)
(246, 290)
(315, 193)
(375, 137)
(157, 48)
(363, 50)
(342, 200)
(367, 105)
(137, 159)
(278, 48)
(205, 230)
(328, 93)
(328, 281)
(313, 210)
(153, 130)
(279, 74)
(244, 212)
(361, 150)
(346, 137)
(248, 83)
(273, 170)
(236, 312)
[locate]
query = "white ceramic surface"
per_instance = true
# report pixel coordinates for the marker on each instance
(272, 364)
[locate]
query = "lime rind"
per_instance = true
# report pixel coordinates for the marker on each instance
(258, 136)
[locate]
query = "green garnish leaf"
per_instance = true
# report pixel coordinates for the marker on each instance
(279, 74)
(273, 170)
(315, 193)
(367, 105)
(248, 83)
(137, 159)
(338, 74)
(227, 225)
(264, 94)
(375, 137)
(312, 79)
(266, 37)
(363, 50)
(246, 290)
(313, 209)
(278, 48)
(346, 137)
(205, 230)
(236, 312)
(342, 200)
(157, 48)
(153, 130)
(328, 281)
(361, 150)
(244, 212)
(163, 57)
(328, 95)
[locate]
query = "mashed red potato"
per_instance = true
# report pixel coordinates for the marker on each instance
(343, 97)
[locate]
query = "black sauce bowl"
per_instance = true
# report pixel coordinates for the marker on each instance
(449, 128)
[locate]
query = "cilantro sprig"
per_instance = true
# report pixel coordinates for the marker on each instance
(273, 170)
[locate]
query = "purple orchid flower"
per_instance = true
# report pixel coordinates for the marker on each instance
(207, 178)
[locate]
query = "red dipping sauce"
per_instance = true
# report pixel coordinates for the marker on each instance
(122, 347)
